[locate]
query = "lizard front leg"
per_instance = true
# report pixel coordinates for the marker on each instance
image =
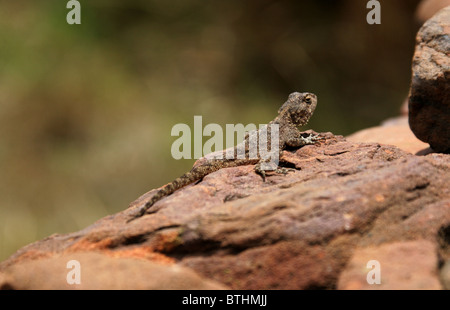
(262, 166)
(265, 165)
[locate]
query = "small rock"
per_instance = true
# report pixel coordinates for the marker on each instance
(429, 97)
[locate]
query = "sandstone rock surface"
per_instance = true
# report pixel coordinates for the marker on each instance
(102, 271)
(303, 230)
(395, 132)
(409, 265)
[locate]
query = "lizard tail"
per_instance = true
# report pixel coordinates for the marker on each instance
(170, 188)
(167, 190)
(197, 173)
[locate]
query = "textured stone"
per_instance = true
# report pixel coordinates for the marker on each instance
(394, 132)
(294, 231)
(99, 271)
(429, 97)
(445, 275)
(427, 8)
(410, 265)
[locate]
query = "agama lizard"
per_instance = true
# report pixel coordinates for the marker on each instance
(294, 113)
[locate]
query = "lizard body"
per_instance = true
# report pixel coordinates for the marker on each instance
(294, 113)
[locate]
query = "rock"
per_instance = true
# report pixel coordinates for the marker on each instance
(445, 275)
(394, 132)
(294, 231)
(410, 265)
(4, 280)
(427, 8)
(404, 108)
(102, 271)
(429, 97)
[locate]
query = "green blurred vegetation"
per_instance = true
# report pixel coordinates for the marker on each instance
(86, 110)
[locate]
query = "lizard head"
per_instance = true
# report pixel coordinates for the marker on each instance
(298, 108)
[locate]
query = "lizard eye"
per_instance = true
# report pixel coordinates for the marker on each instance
(308, 99)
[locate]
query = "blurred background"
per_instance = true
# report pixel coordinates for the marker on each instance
(86, 110)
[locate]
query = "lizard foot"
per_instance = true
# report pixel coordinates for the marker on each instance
(284, 170)
(263, 166)
(279, 170)
(261, 172)
(310, 139)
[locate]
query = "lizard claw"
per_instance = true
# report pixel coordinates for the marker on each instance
(311, 139)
